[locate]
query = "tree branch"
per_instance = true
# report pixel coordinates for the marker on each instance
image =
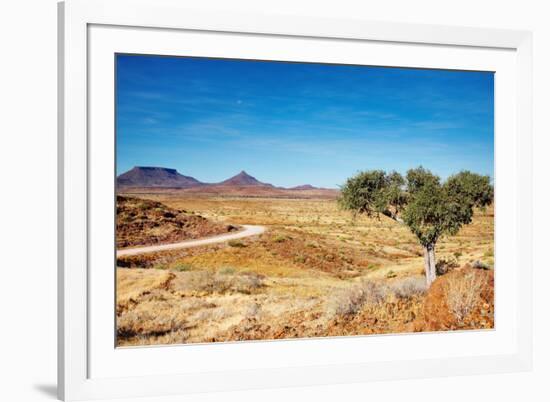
(393, 216)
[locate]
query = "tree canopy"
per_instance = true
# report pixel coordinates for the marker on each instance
(420, 200)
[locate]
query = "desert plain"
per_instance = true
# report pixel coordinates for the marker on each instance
(315, 271)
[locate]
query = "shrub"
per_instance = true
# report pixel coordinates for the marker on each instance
(391, 274)
(300, 259)
(409, 287)
(209, 282)
(248, 283)
(463, 294)
(279, 238)
(227, 270)
(444, 265)
(236, 243)
(182, 267)
(480, 265)
(143, 206)
(350, 301)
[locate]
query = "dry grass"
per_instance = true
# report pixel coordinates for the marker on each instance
(313, 273)
(143, 222)
(374, 294)
(464, 293)
(351, 300)
(462, 299)
(206, 283)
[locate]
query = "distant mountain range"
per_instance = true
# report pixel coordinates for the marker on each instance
(145, 176)
(164, 179)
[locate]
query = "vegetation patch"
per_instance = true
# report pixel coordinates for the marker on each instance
(236, 243)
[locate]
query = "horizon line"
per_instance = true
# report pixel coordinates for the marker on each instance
(337, 186)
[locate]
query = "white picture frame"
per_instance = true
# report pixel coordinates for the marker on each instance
(78, 377)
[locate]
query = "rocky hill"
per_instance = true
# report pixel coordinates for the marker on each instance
(243, 179)
(146, 222)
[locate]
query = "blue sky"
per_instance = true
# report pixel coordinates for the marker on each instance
(294, 123)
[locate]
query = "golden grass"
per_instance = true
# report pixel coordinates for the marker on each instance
(295, 280)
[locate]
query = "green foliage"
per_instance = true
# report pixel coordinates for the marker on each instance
(427, 215)
(429, 208)
(363, 193)
(419, 178)
(374, 192)
(470, 188)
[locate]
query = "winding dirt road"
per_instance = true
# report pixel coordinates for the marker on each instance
(249, 230)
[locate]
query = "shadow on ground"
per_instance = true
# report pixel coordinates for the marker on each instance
(47, 389)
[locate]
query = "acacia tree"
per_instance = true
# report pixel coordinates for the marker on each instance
(419, 200)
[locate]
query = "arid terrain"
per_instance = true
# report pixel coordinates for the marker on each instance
(315, 271)
(145, 222)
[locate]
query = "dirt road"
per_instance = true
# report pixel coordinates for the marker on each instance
(249, 230)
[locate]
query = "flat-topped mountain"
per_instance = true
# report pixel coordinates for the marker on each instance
(243, 179)
(147, 176)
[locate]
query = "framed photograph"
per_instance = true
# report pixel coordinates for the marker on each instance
(254, 201)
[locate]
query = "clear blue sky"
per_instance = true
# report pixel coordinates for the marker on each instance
(294, 123)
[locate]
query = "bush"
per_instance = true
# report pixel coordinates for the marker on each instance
(143, 206)
(300, 259)
(279, 238)
(444, 265)
(182, 267)
(464, 294)
(227, 270)
(480, 265)
(236, 243)
(462, 299)
(409, 287)
(248, 283)
(350, 301)
(373, 294)
(209, 282)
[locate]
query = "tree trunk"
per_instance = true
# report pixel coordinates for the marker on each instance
(429, 263)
